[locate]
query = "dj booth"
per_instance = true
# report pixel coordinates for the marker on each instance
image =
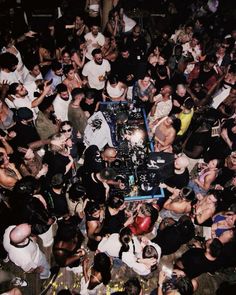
(129, 135)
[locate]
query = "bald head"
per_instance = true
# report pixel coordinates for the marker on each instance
(181, 162)
(109, 154)
(20, 233)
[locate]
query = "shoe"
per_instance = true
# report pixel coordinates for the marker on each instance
(19, 282)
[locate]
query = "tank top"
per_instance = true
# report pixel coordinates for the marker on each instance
(114, 92)
(8, 121)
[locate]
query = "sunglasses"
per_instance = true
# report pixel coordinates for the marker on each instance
(66, 130)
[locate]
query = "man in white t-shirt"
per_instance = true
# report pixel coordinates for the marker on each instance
(61, 102)
(96, 70)
(24, 251)
(22, 96)
(94, 39)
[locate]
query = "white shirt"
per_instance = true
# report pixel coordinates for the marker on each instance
(93, 42)
(27, 257)
(111, 246)
(162, 110)
(11, 77)
(196, 53)
(29, 78)
(61, 107)
(100, 136)
(93, 71)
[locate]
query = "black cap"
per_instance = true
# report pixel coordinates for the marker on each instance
(24, 114)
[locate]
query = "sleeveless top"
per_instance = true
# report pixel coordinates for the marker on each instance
(8, 121)
(114, 92)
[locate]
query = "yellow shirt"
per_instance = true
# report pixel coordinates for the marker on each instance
(185, 121)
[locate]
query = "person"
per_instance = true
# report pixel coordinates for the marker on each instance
(76, 115)
(178, 204)
(143, 92)
(8, 65)
(94, 40)
(47, 123)
(25, 252)
(56, 74)
(196, 261)
(205, 208)
(61, 102)
(67, 249)
(6, 117)
(21, 98)
(206, 176)
(95, 71)
(165, 133)
(115, 26)
(74, 142)
(55, 196)
(72, 79)
(114, 90)
(80, 28)
(186, 116)
(94, 216)
(162, 106)
(110, 50)
(58, 157)
(97, 275)
(178, 283)
(34, 73)
(171, 234)
(129, 249)
(144, 220)
(93, 8)
(179, 97)
(222, 222)
(115, 217)
(90, 104)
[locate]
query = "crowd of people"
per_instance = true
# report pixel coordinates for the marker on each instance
(55, 182)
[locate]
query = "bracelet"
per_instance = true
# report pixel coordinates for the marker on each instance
(138, 260)
(159, 285)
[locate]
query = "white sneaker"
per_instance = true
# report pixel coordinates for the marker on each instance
(19, 282)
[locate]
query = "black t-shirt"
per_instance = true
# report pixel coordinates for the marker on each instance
(178, 180)
(57, 203)
(56, 164)
(195, 263)
(25, 134)
(88, 107)
(113, 223)
(201, 139)
(92, 160)
(94, 190)
(180, 100)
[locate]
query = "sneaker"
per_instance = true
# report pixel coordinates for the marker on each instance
(19, 282)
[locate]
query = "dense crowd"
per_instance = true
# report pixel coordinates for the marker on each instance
(56, 206)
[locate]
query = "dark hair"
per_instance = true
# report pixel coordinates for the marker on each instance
(91, 207)
(96, 51)
(113, 79)
(150, 251)
(188, 103)
(56, 65)
(125, 237)
(184, 285)
(8, 60)
(186, 228)
(215, 247)
(67, 68)
(57, 181)
(64, 123)
(115, 202)
(188, 193)
(76, 91)
(150, 211)
(61, 88)
(12, 88)
(102, 264)
(176, 123)
(76, 192)
(161, 70)
(26, 186)
(132, 287)
(90, 93)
